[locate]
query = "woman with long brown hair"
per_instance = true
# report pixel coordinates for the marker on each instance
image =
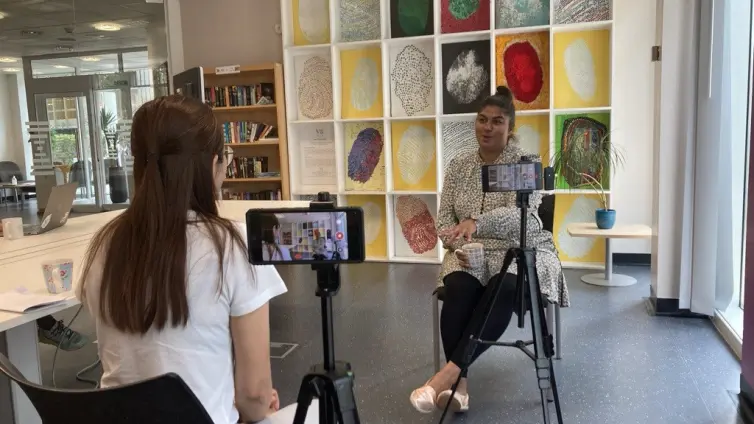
(168, 281)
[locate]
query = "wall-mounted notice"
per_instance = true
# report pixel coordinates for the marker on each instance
(318, 157)
(225, 70)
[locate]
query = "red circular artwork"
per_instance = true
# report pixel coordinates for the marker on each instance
(339, 235)
(523, 71)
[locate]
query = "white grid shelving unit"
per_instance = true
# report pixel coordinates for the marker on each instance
(300, 128)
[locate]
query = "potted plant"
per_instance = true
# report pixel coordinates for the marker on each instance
(116, 174)
(585, 161)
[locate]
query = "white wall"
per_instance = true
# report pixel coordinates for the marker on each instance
(632, 97)
(13, 115)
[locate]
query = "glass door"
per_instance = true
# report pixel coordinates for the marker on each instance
(70, 145)
(112, 107)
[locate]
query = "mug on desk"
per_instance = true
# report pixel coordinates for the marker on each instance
(58, 275)
(13, 228)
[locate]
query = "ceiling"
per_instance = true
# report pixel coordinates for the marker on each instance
(40, 27)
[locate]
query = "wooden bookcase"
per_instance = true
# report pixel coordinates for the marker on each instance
(237, 119)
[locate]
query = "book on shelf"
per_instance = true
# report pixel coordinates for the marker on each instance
(252, 195)
(240, 95)
(249, 167)
(247, 132)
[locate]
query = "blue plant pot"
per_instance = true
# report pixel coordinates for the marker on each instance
(605, 218)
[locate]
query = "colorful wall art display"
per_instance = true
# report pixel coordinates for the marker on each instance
(314, 87)
(573, 208)
(575, 11)
(412, 79)
(415, 233)
(414, 159)
(466, 76)
(581, 69)
(521, 13)
(311, 22)
(533, 134)
(365, 161)
(464, 16)
(359, 20)
(361, 76)
(590, 129)
(458, 138)
(523, 65)
(411, 18)
(375, 223)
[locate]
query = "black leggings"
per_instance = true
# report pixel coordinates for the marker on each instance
(46, 322)
(463, 293)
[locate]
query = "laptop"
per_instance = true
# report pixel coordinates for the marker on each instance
(58, 208)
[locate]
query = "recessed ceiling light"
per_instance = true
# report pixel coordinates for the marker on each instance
(2, 15)
(61, 67)
(90, 59)
(11, 70)
(5, 59)
(107, 26)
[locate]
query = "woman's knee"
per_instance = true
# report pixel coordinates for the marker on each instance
(459, 283)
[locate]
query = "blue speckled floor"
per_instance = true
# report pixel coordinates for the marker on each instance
(620, 365)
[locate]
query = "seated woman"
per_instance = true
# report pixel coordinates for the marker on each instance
(168, 282)
(468, 215)
(271, 249)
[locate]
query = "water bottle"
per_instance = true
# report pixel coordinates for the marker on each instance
(14, 180)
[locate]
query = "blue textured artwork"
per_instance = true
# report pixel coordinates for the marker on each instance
(364, 155)
(521, 13)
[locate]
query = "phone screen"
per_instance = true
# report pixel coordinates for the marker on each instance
(305, 236)
(513, 177)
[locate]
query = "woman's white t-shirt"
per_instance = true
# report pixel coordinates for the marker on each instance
(202, 352)
(283, 254)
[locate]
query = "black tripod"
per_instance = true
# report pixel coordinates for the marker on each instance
(529, 299)
(332, 381)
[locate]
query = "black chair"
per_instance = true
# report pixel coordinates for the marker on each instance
(160, 400)
(546, 214)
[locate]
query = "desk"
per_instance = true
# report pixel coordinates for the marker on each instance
(589, 229)
(20, 265)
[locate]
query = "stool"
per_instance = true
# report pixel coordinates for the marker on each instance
(552, 314)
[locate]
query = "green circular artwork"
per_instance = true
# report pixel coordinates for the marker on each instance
(413, 16)
(462, 9)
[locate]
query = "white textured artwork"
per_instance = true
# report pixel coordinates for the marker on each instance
(466, 78)
(528, 139)
(359, 20)
(313, 20)
(416, 151)
(372, 220)
(365, 84)
(573, 11)
(457, 138)
(413, 79)
(582, 210)
(579, 66)
(314, 87)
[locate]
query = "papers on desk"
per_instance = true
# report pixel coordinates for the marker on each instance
(22, 302)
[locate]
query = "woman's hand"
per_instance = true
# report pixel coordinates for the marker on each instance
(463, 258)
(464, 230)
(275, 402)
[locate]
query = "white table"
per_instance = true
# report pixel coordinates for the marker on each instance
(589, 229)
(20, 266)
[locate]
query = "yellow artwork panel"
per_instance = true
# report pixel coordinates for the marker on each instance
(414, 148)
(311, 22)
(361, 79)
(572, 208)
(522, 63)
(375, 223)
(365, 156)
(533, 133)
(582, 69)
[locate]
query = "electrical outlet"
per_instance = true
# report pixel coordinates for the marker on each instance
(278, 29)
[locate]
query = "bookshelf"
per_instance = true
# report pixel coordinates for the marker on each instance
(249, 102)
(382, 95)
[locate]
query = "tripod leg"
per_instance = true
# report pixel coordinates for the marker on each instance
(304, 400)
(556, 398)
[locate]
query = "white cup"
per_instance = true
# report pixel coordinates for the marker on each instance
(13, 228)
(475, 254)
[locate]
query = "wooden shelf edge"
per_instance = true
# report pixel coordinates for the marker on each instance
(253, 180)
(244, 108)
(269, 142)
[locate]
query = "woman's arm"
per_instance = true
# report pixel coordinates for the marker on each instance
(502, 222)
(253, 374)
(446, 215)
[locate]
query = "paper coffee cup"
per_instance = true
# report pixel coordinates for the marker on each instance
(58, 275)
(13, 228)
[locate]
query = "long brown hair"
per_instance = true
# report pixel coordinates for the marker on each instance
(174, 140)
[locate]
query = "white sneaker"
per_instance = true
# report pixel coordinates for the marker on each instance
(459, 403)
(423, 399)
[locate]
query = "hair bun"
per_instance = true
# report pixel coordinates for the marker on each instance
(504, 92)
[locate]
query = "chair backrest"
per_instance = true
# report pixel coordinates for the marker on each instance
(546, 211)
(163, 399)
